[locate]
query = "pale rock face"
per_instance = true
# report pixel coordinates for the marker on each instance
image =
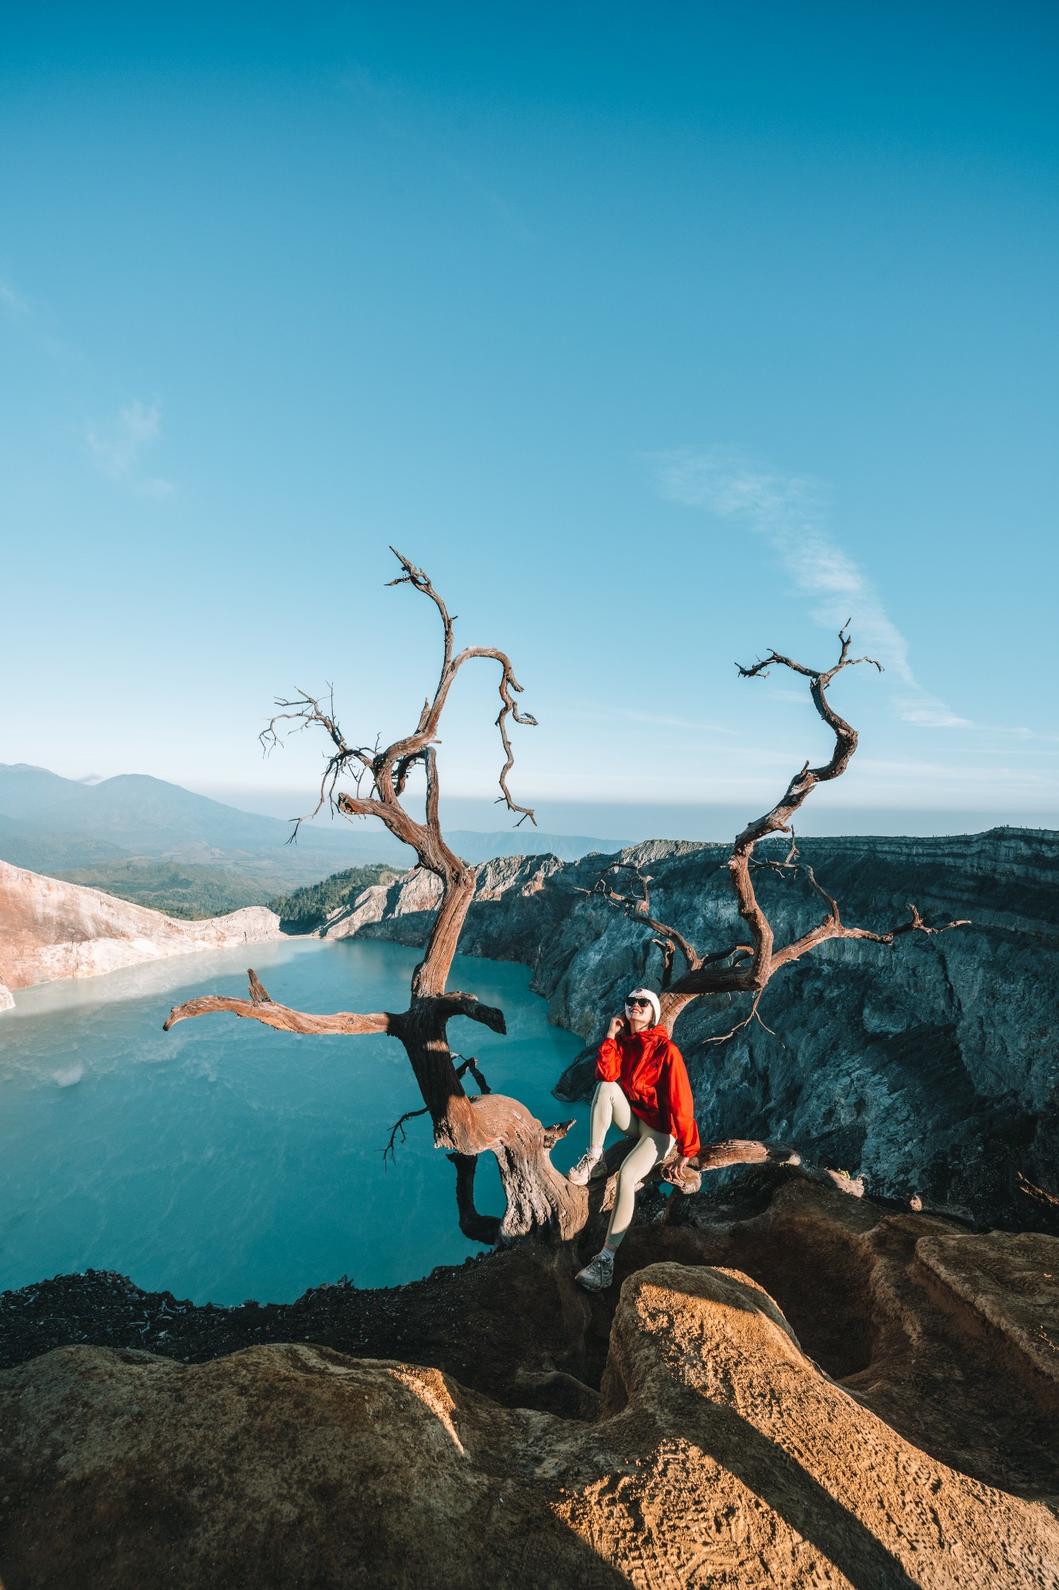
(419, 891)
(370, 906)
(50, 930)
(7, 1001)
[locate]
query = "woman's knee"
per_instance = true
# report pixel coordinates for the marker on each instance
(608, 1090)
(629, 1175)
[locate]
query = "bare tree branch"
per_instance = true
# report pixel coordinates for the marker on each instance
(1040, 1194)
(638, 906)
(753, 1014)
(801, 786)
(260, 1007)
(258, 992)
(752, 973)
(832, 927)
(389, 768)
(390, 1151)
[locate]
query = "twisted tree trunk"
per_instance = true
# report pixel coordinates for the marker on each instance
(537, 1197)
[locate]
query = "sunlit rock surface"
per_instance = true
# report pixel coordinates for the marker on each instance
(507, 879)
(929, 1065)
(50, 929)
(689, 1435)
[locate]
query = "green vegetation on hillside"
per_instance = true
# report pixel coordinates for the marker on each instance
(192, 890)
(182, 889)
(304, 910)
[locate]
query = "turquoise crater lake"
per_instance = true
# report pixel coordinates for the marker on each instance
(223, 1161)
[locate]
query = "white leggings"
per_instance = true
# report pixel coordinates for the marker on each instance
(610, 1107)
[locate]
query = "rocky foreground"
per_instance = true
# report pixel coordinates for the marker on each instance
(50, 930)
(786, 1386)
(930, 1066)
(794, 1388)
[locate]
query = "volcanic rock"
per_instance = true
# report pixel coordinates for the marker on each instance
(929, 1065)
(721, 1450)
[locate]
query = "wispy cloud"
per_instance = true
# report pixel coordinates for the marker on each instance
(944, 774)
(12, 301)
(927, 712)
(117, 448)
(789, 512)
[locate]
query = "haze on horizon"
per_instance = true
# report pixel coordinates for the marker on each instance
(632, 821)
(657, 343)
(621, 822)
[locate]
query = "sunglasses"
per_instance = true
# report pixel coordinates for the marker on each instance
(638, 1002)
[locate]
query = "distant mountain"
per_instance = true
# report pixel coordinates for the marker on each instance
(135, 816)
(54, 824)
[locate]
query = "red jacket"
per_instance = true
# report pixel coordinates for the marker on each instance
(651, 1072)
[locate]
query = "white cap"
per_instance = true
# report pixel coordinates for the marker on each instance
(652, 1000)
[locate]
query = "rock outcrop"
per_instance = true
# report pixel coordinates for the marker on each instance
(50, 930)
(693, 1435)
(930, 1065)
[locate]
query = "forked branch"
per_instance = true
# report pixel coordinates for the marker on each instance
(636, 903)
(380, 780)
(747, 968)
(754, 973)
(386, 771)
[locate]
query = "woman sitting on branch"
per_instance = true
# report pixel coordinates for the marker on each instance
(641, 1073)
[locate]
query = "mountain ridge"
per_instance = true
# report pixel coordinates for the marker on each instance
(141, 816)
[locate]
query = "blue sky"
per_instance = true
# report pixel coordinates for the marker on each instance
(659, 336)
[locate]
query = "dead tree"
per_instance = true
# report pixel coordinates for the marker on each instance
(537, 1195)
(747, 968)
(538, 1198)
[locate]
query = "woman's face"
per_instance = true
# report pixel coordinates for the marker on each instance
(638, 1013)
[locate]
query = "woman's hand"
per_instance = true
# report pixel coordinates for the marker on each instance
(617, 1027)
(675, 1170)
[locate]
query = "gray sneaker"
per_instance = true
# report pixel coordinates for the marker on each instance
(598, 1273)
(581, 1173)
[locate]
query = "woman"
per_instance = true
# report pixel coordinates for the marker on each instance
(641, 1073)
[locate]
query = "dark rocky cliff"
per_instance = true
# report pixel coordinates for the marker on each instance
(930, 1066)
